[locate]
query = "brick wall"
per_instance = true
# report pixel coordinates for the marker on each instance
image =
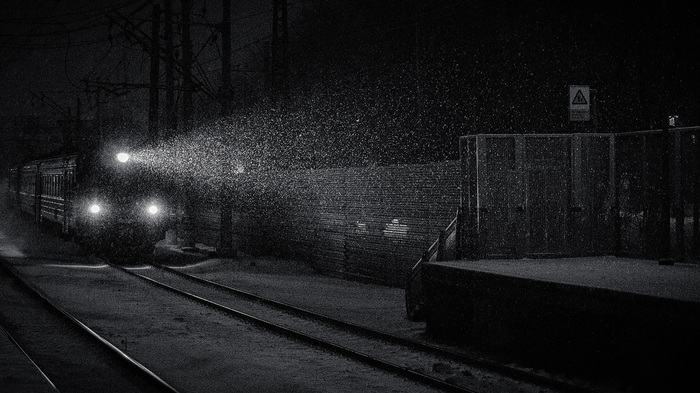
(360, 223)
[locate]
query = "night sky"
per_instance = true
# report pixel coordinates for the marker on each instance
(367, 82)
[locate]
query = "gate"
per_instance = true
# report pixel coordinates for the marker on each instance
(537, 195)
(659, 212)
(547, 172)
(498, 196)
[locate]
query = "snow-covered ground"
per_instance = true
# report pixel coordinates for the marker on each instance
(680, 281)
(192, 348)
(197, 349)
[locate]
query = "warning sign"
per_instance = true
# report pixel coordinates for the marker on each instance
(579, 98)
(579, 103)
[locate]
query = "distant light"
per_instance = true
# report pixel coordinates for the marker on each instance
(672, 120)
(94, 208)
(123, 157)
(240, 169)
(153, 210)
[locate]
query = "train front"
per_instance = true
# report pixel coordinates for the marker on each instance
(121, 210)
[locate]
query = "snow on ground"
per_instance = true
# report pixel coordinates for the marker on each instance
(195, 348)
(167, 335)
(293, 282)
(71, 275)
(680, 281)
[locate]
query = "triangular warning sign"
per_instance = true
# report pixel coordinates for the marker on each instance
(579, 99)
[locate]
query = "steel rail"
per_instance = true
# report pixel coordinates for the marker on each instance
(130, 362)
(511, 372)
(29, 358)
(335, 348)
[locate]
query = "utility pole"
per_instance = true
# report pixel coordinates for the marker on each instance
(78, 129)
(422, 69)
(189, 214)
(664, 234)
(279, 47)
(98, 114)
(154, 76)
(187, 85)
(170, 113)
(135, 35)
(226, 93)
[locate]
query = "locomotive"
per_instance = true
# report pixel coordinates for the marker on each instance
(104, 200)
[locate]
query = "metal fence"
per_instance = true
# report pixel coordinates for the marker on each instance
(634, 194)
(658, 177)
(537, 195)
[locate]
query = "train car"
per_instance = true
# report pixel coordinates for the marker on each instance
(108, 203)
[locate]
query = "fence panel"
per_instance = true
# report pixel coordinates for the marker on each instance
(368, 224)
(642, 187)
(537, 195)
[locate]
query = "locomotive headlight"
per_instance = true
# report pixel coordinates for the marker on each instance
(123, 157)
(153, 209)
(94, 208)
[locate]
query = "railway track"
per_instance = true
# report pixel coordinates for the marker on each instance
(417, 361)
(70, 356)
(25, 374)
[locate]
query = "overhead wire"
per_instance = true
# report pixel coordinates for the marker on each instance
(89, 23)
(85, 24)
(45, 19)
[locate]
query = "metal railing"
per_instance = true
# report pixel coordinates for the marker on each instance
(446, 247)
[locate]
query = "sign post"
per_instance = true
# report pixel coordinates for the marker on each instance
(579, 103)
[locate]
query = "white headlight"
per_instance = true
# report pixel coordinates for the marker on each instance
(123, 157)
(94, 208)
(153, 210)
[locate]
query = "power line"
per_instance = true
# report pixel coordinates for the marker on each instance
(28, 40)
(54, 46)
(56, 32)
(46, 19)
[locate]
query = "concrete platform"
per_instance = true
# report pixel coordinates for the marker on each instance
(630, 322)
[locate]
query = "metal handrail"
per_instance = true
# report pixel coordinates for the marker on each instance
(415, 297)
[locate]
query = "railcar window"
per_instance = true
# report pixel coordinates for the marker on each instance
(51, 185)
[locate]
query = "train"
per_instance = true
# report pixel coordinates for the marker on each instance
(104, 200)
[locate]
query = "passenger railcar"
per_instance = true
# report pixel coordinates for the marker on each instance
(110, 206)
